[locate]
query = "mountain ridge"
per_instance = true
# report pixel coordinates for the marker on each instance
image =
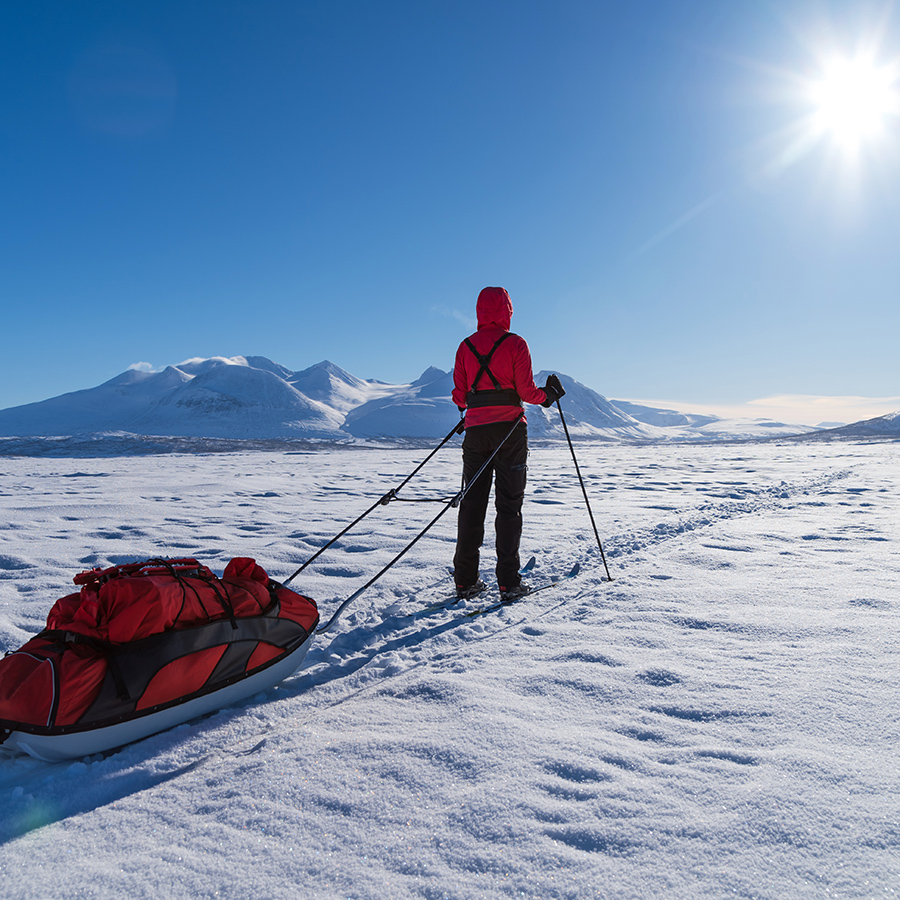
(254, 398)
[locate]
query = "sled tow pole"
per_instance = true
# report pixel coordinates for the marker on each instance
(450, 504)
(583, 489)
(381, 501)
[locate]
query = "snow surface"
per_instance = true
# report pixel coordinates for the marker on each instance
(720, 720)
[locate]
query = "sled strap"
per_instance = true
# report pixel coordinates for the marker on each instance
(381, 501)
(104, 648)
(454, 502)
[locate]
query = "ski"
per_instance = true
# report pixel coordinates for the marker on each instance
(473, 613)
(453, 600)
(438, 605)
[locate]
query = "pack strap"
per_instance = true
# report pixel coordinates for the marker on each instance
(105, 648)
(500, 396)
(484, 360)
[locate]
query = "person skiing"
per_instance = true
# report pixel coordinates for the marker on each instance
(491, 377)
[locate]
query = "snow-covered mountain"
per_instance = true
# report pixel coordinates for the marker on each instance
(664, 418)
(108, 407)
(883, 426)
(694, 426)
(588, 414)
(217, 397)
(252, 397)
(422, 409)
(331, 385)
(237, 401)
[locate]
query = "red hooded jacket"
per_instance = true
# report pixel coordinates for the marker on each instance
(510, 364)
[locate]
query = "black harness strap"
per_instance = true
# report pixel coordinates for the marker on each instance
(500, 396)
(485, 360)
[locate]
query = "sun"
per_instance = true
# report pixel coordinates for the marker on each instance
(853, 101)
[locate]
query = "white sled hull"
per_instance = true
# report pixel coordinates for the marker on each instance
(51, 748)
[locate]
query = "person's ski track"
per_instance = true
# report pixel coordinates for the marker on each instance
(707, 514)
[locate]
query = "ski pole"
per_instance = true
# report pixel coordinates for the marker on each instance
(381, 501)
(583, 490)
(451, 504)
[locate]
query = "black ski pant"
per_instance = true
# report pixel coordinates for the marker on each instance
(507, 471)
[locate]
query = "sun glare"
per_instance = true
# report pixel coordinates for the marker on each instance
(853, 101)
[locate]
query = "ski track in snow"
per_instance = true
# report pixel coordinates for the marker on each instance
(720, 719)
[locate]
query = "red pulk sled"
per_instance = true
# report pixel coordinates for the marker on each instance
(147, 646)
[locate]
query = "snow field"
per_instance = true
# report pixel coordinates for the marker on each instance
(719, 720)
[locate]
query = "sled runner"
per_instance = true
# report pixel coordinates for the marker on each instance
(146, 646)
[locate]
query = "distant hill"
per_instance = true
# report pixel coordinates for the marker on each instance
(693, 426)
(883, 426)
(663, 418)
(252, 398)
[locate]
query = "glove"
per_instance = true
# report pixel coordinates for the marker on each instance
(554, 390)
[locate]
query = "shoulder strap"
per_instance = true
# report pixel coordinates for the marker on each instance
(485, 359)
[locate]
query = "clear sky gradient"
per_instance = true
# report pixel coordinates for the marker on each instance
(338, 179)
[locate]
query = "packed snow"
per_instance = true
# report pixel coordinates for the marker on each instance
(719, 720)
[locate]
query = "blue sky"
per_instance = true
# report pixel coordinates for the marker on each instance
(310, 180)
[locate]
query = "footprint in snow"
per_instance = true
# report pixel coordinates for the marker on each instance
(659, 678)
(741, 759)
(13, 563)
(642, 734)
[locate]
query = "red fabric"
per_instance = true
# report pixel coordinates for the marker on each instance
(510, 364)
(26, 688)
(180, 677)
(27, 683)
(297, 608)
(244, 567)
(123, 604)
(81, 672)
(126, 603)
(262, 654)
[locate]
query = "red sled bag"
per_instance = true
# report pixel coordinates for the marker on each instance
(138, 641)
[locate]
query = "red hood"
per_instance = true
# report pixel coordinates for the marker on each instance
(494, 308)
